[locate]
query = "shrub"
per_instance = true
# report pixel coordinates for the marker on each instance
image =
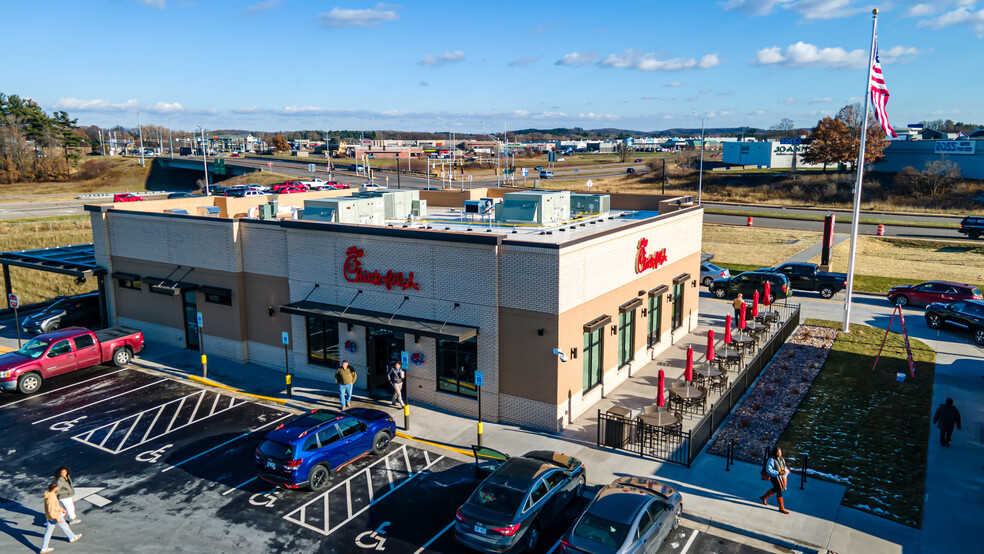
(93, 169)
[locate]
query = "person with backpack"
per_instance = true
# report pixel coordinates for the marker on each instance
(396, 375)
(775, 471)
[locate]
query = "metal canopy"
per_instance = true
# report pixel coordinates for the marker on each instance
(422, 327)
(78, 260)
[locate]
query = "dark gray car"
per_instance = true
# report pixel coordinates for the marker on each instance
(520, 496)
(633, 514)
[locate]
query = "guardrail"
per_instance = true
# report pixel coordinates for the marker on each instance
(682, 447)
(111, 194)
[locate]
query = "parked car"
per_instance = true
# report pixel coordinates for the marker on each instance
(973, 227)
(81, 310)
(64, 351)
(630, 170)
(236, 155)
(373, 186)
(710, 272)
(290, 190)
(519, 497)
(338, 185)
(179, 195)
(538, 168)
(932, 291)
(750, 281)
(809, 277)
(214, 190)
(632, 514)
(304, 451)
(288, 185)
(357, 167)
(546, 174)
(127, 197)
(638, 160)
(965, 313)
(244, 193)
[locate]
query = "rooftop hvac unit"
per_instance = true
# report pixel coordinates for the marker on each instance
(177, 211)
(535, 207)
(418, 208)
(268, 211)
(590, 203)
(473, 206)
(209, 211)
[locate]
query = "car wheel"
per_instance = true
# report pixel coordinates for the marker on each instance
(121, 357)
(706, 282)
(826, 292)
(719, 292)
(901, 300)
(318, 478)
(979, 336)
(974, 235)
(934, 321)
(532, 537)
(676, 517)
(381, 442)
(29, 383)
(53, 326)
(579, 489)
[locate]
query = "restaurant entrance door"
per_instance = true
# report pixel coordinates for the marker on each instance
(383, 350)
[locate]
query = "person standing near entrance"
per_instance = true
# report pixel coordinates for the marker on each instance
(777, 472)
(345, 377)
(66, 490)
(737, 304)
(945, 418)
(54, 515)
(396, 376)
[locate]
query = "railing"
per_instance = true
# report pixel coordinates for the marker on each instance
(682, 447)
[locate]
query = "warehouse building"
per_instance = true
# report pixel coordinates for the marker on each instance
(547, 299)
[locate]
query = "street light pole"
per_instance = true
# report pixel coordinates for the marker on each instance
(140, 129)
(205, 162)
(700, 172)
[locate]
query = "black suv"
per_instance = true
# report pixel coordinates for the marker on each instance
(750, 281)
(973, 227)
(82, 311)
(966, 313)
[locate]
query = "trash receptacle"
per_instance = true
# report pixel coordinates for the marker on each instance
(617, 432)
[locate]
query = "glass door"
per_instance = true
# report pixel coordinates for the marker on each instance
(678, 305)
(655, 328)
(383, 350)
(190, 301)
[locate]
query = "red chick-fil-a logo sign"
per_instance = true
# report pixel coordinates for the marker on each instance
(354, 273)
(646, 261)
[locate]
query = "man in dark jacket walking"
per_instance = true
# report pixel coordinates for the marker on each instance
(945, 418)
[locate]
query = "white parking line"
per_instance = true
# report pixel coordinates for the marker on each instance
(690, 541)
(244, 483)
(62, 388)
(250, 432)
(434, 538)
(97, 402)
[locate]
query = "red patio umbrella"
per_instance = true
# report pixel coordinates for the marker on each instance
(727, 329)
(755, 304)
(768, 293)
(688, 375)
(742, 317)
(710, 345)
(660, 401)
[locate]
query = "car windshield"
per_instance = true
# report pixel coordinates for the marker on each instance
(277, 450)
(975, 291)
(498, 496)
(33, 349)
(602, 531)
(58, 307)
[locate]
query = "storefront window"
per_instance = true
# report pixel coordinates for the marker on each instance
(456, 366)
(678, 305)
(626, 337)
(322, 341)
(654, 326)
(592, 358)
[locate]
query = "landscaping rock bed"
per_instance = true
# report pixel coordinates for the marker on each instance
(765, 412)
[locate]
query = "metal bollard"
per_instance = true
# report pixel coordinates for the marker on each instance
(806, 467)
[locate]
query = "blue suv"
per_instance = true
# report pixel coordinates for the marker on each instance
(305, 450)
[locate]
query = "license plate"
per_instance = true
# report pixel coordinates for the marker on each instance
(479, 528)
(271, 465)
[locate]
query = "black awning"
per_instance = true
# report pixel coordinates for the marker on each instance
(659, 290)
(167, 287)
(126, 276)
(406, 324)
(597, 322)
(630, 305)
(78, 260)
(680, 278)
(218, 291)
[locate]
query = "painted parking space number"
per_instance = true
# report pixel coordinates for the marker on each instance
(66, 425)
(151, 456)
(372, 540)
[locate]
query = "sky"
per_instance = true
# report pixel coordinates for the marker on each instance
(480, 66)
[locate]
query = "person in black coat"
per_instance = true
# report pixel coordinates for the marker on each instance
(945, 418)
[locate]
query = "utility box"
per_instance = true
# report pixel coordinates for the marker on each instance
(397, 204)
(268, 210)
(590, 204)
(418, 208)
(345, 209)
(534, 207)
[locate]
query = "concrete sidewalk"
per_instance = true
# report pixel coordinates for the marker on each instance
(713, 496)
(812, 251)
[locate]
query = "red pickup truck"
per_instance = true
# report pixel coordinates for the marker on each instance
(64, 351)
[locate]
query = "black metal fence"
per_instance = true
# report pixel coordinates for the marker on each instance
(673, 444)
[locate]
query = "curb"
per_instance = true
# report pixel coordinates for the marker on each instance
(212, 383)
(403, 435)
(779, 541)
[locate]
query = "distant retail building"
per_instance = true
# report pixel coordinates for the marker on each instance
(766, 154)
(968, 155)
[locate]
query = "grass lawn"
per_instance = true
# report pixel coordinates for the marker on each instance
(865, 429)
(36, 286)
(869, 220)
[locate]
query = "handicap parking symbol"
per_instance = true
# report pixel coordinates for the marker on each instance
(372, 540)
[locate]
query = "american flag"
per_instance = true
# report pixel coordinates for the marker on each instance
(879, 95)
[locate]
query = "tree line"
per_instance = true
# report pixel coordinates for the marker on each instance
(35, 146)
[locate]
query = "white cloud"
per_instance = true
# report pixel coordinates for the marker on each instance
(809, 10)
(959, 16)
(675, 84)
(522, 61)
(165, 107)
(578, 59)
(758, 112)
(790, 101)
(431, 60)
(920, 10)
(598, 116)
(803, 54)
(821, 100)
(898, 54)
(753, 7)
(260, 7)
(823, 113)
(159, 4)
(370, 17)
(651, 62)
(96, 105)
(705, 91)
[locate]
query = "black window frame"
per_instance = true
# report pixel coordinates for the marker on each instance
(458, 380)
(222, 299)
(325, 327)
(679, 292)
(588, 368)
(654, 327)
(128, 283)
(626, 337)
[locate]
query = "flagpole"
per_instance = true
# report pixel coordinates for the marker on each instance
(857, 186)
